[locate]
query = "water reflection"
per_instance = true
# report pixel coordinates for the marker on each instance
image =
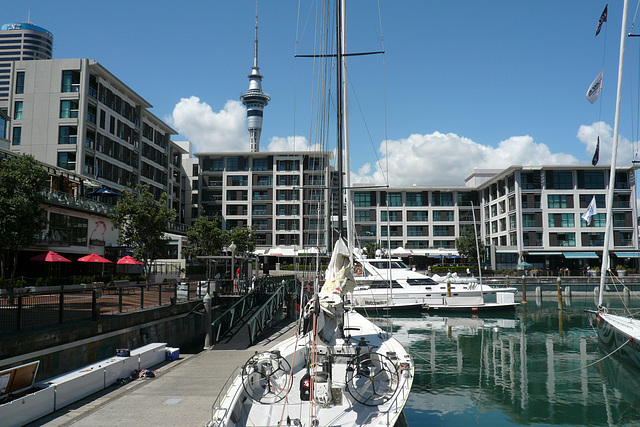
(538, 366)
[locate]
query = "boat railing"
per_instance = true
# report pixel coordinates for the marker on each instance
(217, 403)
(401, 395)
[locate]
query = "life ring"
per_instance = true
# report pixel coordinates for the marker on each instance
(358, 270)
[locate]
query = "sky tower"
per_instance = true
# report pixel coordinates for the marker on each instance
(254, 99)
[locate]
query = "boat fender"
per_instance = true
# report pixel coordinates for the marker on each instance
(305, 387)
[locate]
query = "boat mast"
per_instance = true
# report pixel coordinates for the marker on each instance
(614, 152)
(340, 113)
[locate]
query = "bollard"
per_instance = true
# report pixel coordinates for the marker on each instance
(449, 288)
(524, 290)
(559, 282)
(207, 320)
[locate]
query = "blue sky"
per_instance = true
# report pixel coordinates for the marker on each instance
(463, 84)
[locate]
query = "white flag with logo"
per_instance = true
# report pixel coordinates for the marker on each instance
(595, 88)
(590, 212)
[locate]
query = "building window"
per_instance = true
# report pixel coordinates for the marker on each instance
(260, 165)
(559, 180)
(598, 220)
(593, 239)
(67, 160)
(561, 220)
(91, 114)
(71, 81)
(415, 230)
(585, 199)
(394, 199)
(528, 220)
(442, 230)
(417, 216)
(562, 239)
(17, 136)
(414, 199)
(443, 215)
(17, 111)
(393, 216)
(559, 201)
(361, 216)
(103, 119)
(362, 199)
(20, 82)
(67, 135)
(69, 109)
(594, 180)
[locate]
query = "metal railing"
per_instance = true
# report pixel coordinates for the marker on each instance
(262, 318)
(223, 323)
(48, 306)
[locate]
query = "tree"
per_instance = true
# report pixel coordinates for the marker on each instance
(371, 248)
(142, 222)
(244, 239)
(466, 246)
(22, 217)
(205, 238)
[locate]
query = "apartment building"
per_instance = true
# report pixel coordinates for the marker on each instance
(76, 115)
(285, 196)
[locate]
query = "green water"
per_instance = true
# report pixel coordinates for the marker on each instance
(536, 367)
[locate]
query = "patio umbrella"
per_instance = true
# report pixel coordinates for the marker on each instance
(50, 257)
(94, 258)
(104, 191)
(129, 260)
(524, 266)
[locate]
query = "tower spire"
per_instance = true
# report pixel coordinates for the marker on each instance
(254, 99)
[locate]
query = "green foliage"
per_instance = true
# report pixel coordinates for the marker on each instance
(371, 248)
(244, 238)
(142, 222)
(205, 238)
(22, 217)
(466, 246)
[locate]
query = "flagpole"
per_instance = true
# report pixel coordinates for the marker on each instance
(614, 152)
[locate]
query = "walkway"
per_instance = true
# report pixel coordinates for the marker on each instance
(181, 395)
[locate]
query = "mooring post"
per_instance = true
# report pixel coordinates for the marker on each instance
(449, 288)
(524, 290)
(207, 320)
(559, 293)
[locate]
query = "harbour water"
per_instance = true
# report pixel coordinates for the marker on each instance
(539, 366)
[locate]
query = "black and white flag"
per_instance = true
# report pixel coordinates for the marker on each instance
(603, 19)
(595, 88)
(596, 155)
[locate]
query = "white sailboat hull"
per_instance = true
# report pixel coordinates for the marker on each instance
(237, 408)
(620, 333)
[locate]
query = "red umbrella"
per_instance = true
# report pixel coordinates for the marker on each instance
(129, 260)
(50, 257)
(94, 258)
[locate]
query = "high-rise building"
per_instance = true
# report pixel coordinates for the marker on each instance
(21, 42)
(76, 115)
(254, 99)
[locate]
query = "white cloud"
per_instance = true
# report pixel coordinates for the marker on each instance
(588, 135)
(211, 131)
(445, 159)
(291, 143)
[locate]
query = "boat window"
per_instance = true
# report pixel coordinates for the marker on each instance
(385, 264)
(421, 282)
(383, 284)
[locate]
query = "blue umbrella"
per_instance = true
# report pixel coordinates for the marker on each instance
(104, 191)
(454, 256)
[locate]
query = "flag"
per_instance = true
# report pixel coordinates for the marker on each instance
(590, 212)
(596, 155)
(603, 18)
(595, 88)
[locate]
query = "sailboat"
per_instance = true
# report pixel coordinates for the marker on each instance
(340, 369)
(616, 333)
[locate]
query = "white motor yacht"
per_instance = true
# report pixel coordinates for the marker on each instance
(390, 284)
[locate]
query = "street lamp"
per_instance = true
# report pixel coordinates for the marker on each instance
(232, 247)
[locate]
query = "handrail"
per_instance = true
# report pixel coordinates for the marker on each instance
(225, 321)
(256, 324)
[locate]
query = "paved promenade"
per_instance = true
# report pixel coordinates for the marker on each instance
(181, 395)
